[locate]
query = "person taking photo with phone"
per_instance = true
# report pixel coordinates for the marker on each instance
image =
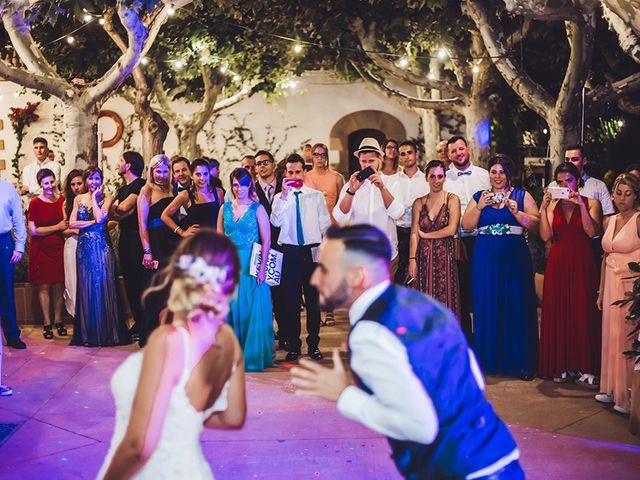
(367, 197)
(569, 339)
(303, 218)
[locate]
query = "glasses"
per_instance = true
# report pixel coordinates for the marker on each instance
(319, 154)
(390, 147)
(262, 163)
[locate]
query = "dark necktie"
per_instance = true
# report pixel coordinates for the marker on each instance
(468, 172)
(299, 231)
(267, 191)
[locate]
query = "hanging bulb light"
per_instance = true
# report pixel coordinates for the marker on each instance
(223, 68)
(442, 54)
(475, 69)
(431, 76)
(178, 64)
(236, 78)
(170, 10)
(144, 61)
(71, 39)
(297, 48)
(403, 62)
(102, 21)
(87, 18)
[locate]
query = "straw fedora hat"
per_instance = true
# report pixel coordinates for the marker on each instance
(369, 144)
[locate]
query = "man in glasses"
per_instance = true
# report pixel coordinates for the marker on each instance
(411, 184)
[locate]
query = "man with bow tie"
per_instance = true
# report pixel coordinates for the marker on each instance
(464, 179)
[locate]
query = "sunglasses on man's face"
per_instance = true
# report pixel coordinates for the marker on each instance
(262, 163)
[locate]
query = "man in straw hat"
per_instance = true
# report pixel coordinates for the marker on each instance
(367, 197)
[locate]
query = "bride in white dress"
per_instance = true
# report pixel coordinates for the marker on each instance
(189, 376)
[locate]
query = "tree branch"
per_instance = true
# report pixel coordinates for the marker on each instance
(535, 97)
(627, 10)
(627, 38)
(518, 35)
(22, 41)
(165, 103)
(408, 101)
(245, 92)
(211, 92)
(368, 43)
(612, 91)
(53, 86)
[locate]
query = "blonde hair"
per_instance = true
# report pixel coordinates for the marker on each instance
(185, 288)
(156, 161)
(630, 181)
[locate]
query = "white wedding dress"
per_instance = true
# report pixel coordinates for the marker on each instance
(178, 454)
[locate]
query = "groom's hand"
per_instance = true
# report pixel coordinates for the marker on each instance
(314, 379)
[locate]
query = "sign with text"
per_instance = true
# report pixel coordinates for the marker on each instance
(274, 264)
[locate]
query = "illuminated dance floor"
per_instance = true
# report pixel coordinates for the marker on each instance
(58, 423)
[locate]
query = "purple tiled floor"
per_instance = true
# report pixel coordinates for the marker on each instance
(63, 404)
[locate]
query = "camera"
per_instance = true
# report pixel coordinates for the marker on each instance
(498, 197)
(559, 192)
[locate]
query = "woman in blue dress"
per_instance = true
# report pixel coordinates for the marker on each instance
(246, 222)
(505, 322)
(97, 320)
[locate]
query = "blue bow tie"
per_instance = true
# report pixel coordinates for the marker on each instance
(468, 172)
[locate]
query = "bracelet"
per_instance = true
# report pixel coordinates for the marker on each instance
(412, 258)
(175, 230)
(350, 193)
(146, 251)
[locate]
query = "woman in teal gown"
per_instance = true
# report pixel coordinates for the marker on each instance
(246, 222)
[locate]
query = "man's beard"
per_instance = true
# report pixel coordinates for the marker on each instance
(338, 298)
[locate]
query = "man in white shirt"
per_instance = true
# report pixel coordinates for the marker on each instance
(303, 218)
(591, 187)
(415, 378)
(464, 179)
(30, 186)
(370, 200)
(11, 250)
(411, 184)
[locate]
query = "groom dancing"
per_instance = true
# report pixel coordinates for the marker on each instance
(416, 380)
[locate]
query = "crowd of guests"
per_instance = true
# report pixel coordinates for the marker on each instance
(458, 232)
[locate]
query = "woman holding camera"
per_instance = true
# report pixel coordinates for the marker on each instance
(504, 303)
(569, 336)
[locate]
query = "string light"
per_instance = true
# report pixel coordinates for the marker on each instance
(178, 64)
(475, 69)
(431, 76)
(403, 62)
(442, 54)
(87, 18)
(102, 21)
(144, 60)
(170, 10)
(223, 69)
(236, 78)
(545, 131)
(620, 123)
(297, 48)
(71, 39)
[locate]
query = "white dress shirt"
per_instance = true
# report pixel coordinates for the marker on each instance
(399, 406)
(368, 207)
(12, 214)
(408, 190)
(464, 185)
(313, 211)
(597, 190)
(30, 173)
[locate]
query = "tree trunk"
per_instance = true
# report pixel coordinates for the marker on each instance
(562, 133)
(154, 133)
(81, 131)
(187, 140)
(477, 117)
(431, 131)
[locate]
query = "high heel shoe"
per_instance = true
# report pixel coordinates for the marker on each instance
(62, 332)
(47, 333)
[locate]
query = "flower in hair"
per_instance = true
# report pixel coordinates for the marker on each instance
(201, 271)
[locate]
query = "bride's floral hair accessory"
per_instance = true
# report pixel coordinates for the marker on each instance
(198, 269)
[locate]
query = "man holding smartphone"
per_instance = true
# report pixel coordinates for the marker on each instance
(367, 197)
(303, 218)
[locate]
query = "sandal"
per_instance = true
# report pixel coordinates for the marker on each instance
(47, 333)
(329, 320)
(589, 381)
(62, 332)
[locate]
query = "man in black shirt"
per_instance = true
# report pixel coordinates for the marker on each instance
(130, 248)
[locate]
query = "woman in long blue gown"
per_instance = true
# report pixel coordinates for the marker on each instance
(505, 323)
(97, 319)
(246, 222)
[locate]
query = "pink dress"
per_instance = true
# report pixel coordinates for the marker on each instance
(615, 378)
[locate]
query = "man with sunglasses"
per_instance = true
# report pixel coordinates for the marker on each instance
(411, 183)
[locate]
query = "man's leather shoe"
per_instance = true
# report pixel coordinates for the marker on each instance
(16, 343)
(316, 354)
(292, 356)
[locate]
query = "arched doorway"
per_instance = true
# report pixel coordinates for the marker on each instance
(347, 133)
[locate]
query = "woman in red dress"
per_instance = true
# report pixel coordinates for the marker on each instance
(569, 339)
(46, 257)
